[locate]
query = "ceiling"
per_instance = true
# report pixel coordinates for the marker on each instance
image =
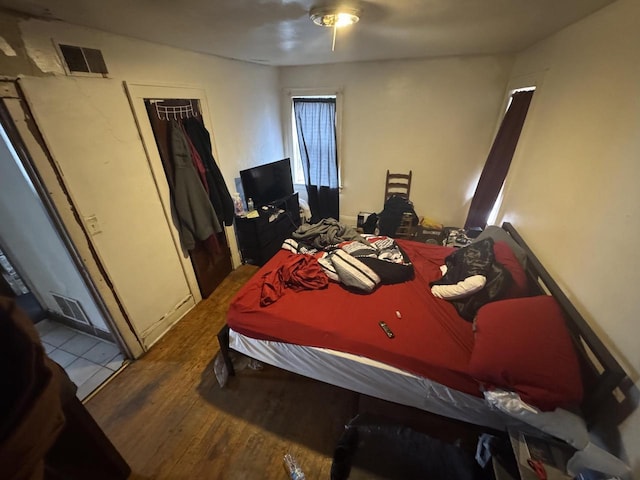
(280, 32)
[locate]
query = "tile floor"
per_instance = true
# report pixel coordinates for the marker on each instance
(88, 360)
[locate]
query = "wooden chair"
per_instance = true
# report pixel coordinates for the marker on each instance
(397, 184)
(400, 184)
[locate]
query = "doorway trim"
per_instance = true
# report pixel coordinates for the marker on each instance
(137, 93)
(43, 172)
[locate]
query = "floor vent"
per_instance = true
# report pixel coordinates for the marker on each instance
(83, 60)
(71, 308)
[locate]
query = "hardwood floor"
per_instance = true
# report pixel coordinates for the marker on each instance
(169, 418)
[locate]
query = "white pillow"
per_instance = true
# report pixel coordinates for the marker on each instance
(466, 287)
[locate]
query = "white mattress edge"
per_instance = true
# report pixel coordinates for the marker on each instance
(372, 378)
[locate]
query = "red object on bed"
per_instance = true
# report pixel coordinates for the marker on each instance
(298, 272)
(431, 339)
(523, 344)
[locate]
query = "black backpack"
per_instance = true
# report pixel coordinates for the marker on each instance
(370, 224)
(391, 216)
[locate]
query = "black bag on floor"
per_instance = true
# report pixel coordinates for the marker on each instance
(372, 446)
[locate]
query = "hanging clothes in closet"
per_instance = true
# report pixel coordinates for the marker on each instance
(198, 219)
(218, 191)
(199, 196)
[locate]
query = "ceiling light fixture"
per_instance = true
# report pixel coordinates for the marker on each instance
(334, 17)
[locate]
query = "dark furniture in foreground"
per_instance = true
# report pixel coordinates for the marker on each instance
(45, 431)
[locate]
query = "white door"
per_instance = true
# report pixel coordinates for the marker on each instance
(92, 136)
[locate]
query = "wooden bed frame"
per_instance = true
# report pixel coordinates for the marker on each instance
(601, 372)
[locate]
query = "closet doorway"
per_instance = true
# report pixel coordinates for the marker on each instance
(211, 259)
(157, 111)
(42, 271)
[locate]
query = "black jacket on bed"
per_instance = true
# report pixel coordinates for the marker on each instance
(476, 259)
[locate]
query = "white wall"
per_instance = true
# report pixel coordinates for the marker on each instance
(436, 117)
(243, 102)
(242, 97)
(32, 243)
(573, 187)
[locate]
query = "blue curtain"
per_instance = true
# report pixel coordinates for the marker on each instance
(316, 129)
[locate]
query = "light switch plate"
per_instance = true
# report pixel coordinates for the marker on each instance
(92, 224)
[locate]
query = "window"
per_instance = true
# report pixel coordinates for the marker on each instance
(314, 126)
(291, 129)
(296, 162)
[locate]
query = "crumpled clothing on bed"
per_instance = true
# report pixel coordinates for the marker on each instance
(300, 272)
(360, 266)
(326, 233)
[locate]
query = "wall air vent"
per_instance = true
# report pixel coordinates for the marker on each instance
(71, 308)
(83, 60)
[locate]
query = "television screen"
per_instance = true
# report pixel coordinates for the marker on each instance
(267, 183)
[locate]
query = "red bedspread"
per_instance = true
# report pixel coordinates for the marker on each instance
(431, 340)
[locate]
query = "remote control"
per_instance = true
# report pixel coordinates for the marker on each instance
(386, 329)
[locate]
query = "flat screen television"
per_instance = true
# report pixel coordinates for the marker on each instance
(268, 183)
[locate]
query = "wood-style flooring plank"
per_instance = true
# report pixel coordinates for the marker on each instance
(170, 419)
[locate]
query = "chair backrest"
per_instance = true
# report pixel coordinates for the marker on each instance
(397, 184)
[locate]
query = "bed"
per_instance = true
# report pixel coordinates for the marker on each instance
(333, 335)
